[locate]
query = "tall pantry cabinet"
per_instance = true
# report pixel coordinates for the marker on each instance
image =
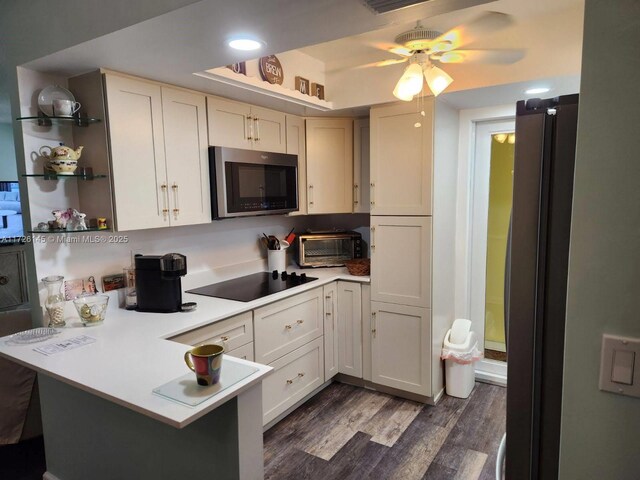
(412, 202)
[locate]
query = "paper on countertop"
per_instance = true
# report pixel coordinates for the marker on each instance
(65, 345)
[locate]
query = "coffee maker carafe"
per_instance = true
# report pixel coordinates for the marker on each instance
(158, 284)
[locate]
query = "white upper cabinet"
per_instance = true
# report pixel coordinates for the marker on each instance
(137, 153)
(296, 145)
(159, 159)
(401, 159)
(329, 165)
(361, 159)
(269, 130)
(185, 140)
(239, 125)
(401, 260)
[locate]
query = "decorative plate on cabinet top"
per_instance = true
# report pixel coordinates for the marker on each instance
(49, 94)
(32, 336)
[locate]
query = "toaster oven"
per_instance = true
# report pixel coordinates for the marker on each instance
(328, 249)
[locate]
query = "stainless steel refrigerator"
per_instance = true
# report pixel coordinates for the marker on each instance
(536, 283)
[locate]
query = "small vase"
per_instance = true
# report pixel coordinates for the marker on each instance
(55, 301)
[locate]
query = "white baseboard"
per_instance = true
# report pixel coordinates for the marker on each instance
(492, 371)
(49, 476)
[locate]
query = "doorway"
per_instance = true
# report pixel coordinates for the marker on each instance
(491, 211)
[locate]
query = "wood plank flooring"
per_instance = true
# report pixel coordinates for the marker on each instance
(348, 432)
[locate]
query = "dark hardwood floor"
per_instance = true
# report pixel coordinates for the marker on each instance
(347, 432)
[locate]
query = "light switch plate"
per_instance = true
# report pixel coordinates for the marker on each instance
(620, 360)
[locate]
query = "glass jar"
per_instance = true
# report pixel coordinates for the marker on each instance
(54, 302)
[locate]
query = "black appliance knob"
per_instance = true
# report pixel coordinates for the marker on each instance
(274, 274)
(303, 277)
(283, 275)
(293, 275)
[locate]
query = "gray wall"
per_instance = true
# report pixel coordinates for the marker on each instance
(8, 169)
(600, 431)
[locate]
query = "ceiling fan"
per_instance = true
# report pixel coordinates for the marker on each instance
(423, 48)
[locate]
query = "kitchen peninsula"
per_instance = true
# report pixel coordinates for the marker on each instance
(100, 414)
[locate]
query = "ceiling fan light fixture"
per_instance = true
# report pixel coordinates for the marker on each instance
(437, 79)
(410, 83)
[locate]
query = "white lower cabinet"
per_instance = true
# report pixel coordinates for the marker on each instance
(288, 324)
(232, 333)
(330, 330)
(401, 347)
(296, 375)
(245, 352)
(349, 322)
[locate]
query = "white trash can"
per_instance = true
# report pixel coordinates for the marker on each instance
(460, 352)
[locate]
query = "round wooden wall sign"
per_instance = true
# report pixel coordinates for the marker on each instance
(271, 70)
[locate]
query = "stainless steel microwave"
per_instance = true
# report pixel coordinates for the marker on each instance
(328, 249)
(248, 183)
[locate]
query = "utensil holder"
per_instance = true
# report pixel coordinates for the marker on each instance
(277, 260)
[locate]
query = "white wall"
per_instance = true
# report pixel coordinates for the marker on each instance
(600, 431)
(8, 169)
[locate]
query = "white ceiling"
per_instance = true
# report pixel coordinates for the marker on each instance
(173, 46)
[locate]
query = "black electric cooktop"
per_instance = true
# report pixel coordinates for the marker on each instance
(251, 287)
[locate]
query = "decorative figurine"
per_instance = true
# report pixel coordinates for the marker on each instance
(77, 221)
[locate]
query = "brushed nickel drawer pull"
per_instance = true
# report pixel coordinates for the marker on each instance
(299, 322)
(288, 327)
(224, 338)
(374, 329)
(373, 201)
(290, 381)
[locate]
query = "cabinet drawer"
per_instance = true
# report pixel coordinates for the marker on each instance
(245, 352)
(296, 375)
(233, 332)
(286, 325)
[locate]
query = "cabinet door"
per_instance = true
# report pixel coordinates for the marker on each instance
(329, 165)
(185, 139)
(296, 145)
(401, 159)
(330, 330)
(361, 144)
(401, 347)
(230, 123)
(269, 133)
(401, 260)
(137, 153)
(350, 329)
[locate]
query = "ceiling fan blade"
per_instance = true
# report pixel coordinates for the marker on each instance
(393, 48)
(462, 35)
(382, 63)
(504, 57)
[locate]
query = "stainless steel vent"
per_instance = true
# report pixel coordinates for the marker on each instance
(385, 6)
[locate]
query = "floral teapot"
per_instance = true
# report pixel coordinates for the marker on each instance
(61, 152)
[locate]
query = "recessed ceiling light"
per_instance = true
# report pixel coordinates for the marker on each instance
(244, 43)
(535, 91)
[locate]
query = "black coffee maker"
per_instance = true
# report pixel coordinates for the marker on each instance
(158, 284)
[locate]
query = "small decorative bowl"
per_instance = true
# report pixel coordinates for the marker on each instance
(91, 309)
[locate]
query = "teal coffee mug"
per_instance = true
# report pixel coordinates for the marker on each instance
(206, 362)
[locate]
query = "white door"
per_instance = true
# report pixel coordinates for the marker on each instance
(330, 330)
(185, 138)
(329, 165)
(401, 347)
(137, 153)
(350, 329)
(269, 133)
(401, 260)
(361, 147)
(230, 123)
(296, 145)
(401, 159)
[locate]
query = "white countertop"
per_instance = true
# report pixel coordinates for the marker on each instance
(131, 355)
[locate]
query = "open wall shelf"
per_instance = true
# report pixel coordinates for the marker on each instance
(54, 176)
(44, 121)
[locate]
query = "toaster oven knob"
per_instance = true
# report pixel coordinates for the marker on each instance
(274, 274)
